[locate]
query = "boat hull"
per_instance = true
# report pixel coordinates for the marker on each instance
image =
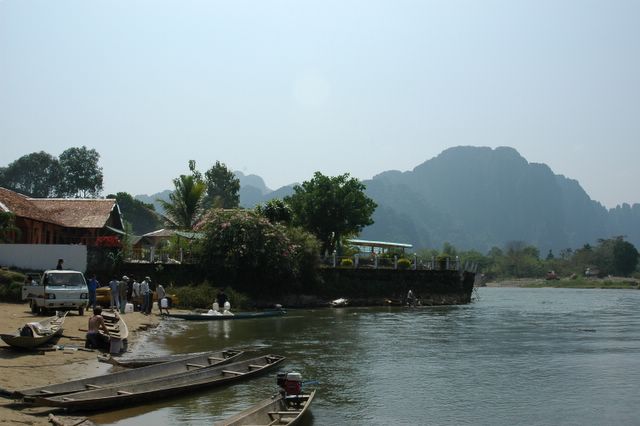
(238, 316)
(276, 410)
(53, 324)
(152, 390)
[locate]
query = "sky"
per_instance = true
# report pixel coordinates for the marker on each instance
(282, 89)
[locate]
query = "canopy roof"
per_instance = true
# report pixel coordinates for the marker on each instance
(379, 244)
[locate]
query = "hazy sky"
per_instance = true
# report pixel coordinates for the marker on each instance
(284, 88)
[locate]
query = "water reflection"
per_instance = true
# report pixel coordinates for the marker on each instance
(548, 356)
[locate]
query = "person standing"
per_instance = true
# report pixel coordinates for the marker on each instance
(130, 289)
(136, 294)
(92, 285)
(122, 292)
(115, 293)
(146, 296)
(221, 298)
(60, 264)
(162, 298)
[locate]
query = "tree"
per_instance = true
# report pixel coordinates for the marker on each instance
(35, 175)
(81, 174)
(223, 188)
(8, 228)
(276, 211)
(185, 206)
(331, 208)
(142, 216)
(616, 256)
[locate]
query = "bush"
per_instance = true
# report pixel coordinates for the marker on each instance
(203, 295)
(8, 277)
(404, 263)
(346, 263)
(11, 293)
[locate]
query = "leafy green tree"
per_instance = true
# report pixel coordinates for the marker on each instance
(81, 174)
(185, 206)
(142, 216)
(276, 211)
(8, 227)
(223, 188)
(36, 175)
(625, 258)
(521, 260)
(331, 208)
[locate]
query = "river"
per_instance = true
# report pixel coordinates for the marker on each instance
(513, 356)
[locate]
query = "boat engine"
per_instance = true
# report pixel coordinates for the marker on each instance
(290, 383)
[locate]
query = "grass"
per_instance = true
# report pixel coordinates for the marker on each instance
(612, 283)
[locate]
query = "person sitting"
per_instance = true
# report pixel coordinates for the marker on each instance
(95, 339)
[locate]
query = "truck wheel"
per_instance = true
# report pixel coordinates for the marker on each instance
(81, 311)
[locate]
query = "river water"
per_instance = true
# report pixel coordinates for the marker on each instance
(513, 356)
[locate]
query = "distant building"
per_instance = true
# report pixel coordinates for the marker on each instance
(61, 220)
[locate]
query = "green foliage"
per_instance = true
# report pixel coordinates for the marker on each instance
(185, 206)
(141, 216)
(346, 263)
(276, 211)
(196, 296)
(331, 208)
(36, 175)
(244, 249)
(223, 188)
(81, 174)
(8, 227)
(404, 263)
(11, 286)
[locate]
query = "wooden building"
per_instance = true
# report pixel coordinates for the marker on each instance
(61, 220)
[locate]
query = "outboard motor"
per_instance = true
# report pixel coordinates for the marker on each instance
(293, 384)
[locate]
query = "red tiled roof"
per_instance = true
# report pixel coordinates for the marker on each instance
(68, 212)
(21, 206)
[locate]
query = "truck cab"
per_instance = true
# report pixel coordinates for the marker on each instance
(59, 290)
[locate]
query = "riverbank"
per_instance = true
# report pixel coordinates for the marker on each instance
(607, 282)
(19, 370)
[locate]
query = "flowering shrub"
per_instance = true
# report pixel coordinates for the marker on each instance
(244, 248)
(110, 241)
(404, 263)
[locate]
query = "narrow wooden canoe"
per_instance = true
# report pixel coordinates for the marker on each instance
(115, 324)
(206, 360)
(277, 410)
(239, 315)
(147, 361)
(45, 331)
(152, 390)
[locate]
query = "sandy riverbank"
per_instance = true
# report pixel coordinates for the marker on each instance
(20, 370)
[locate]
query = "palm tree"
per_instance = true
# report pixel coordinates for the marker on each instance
(186, 202)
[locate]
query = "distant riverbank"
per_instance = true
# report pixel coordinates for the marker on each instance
(607, 282)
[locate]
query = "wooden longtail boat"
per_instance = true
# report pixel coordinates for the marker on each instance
(37, 334)
(239, 315)
(207, 360)
(277, 410)
(147, 390)
(147, 361)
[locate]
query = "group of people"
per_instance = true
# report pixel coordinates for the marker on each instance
(129, 290)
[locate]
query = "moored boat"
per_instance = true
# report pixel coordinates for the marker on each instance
(277, 410)
(147, 361)
(220, 317)
(115, 324)
(121, 378)
(34, 334)
(177, 384)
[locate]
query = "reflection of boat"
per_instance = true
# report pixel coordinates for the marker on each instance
(152, 390)
(182, 366)
(146, 361)
(219, 317)
(278, 410)
(339, 302)
(34, 334)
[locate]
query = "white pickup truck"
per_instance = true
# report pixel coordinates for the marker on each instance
(57, 290)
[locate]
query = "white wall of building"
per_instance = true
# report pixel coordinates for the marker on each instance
(36, 257)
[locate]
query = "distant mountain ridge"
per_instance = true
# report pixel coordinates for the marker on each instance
(478, 198)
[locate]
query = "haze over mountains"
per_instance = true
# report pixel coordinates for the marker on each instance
(477, 198)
